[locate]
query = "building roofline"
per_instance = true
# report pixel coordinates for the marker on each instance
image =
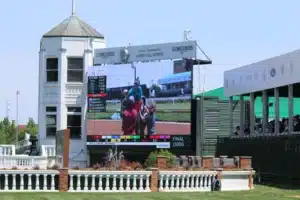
(70, 36)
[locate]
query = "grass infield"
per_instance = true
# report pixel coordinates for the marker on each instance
(259, 193)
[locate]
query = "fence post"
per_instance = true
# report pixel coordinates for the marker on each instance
(63, 180)
(245, 162)
(250, 183)
(154, 180)
(207, 162)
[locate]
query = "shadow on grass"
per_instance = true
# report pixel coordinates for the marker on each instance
(280, 182)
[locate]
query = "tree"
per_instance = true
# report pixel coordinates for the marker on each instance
(7, 131)
(156, 88)
(30, 128)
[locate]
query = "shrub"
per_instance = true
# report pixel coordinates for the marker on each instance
(151, 160)
(136, 165)
(97, 166)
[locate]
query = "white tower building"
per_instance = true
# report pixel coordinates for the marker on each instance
(66, 52)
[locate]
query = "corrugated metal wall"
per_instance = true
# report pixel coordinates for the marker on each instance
(216, 121)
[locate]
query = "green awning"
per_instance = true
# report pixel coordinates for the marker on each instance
(283, 103)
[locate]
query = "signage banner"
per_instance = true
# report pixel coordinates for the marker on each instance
(146, 53)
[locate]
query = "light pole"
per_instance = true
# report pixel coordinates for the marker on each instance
(8, 108)
(17, 116)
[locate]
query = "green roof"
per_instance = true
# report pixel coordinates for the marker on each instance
(283, 103)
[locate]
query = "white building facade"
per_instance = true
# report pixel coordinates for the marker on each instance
(66, 52)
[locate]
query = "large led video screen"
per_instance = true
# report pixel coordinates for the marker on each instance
(139, 104)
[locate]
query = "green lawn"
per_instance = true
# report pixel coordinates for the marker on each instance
(259, 193)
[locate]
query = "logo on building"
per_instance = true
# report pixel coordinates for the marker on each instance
(183, 49)
(273, 72)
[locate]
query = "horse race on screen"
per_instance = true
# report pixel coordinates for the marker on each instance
(144, 99)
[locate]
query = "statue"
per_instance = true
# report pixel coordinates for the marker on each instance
(114, 158)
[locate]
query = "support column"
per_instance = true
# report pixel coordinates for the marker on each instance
(265, 101)
(62, 79)
(252, 113)
(41, 106)
(230, 108)
(291, 107)
(276, 106)
(242, 114)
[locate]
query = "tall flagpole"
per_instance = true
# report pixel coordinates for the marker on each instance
(73, 7)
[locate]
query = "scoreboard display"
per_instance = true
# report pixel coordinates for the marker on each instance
(96, 94)
(160, 141)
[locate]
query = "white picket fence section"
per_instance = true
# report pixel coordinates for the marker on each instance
(7, 149)
(48, 150)
(109, 181)
(23, 162)
(28, 180)
(186, 181)
(201, 181)
(121, 181)
(9, 159)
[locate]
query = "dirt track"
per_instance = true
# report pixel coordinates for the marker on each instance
(111, 127)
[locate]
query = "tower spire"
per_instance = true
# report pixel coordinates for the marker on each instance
(73, 7)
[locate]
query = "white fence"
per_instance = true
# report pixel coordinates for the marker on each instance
(185, 181)
(201, 181)
(7, 149)
(109, 181)
(28, 180)
(23, 162)
(9, 159)
(122, 181)
(48, 150)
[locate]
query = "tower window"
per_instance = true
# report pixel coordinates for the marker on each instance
(50, 121)
(75, 70)
(52, 69)
(74, 120)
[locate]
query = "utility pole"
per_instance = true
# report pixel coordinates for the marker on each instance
(17, 116)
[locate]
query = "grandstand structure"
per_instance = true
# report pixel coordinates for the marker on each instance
(178, 84)
(271, 78)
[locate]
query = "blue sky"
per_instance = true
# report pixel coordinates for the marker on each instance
(233, 33)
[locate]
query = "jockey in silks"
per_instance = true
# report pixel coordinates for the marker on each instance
(137, 93)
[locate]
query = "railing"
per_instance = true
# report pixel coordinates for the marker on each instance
(254, 135)
(186, 180)
(122, 181)
(28, 180)
(109, 181)
(7, 149)
(48, 150)
(23, 162)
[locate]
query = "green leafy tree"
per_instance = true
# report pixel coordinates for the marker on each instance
(30, 128)
(156, 88)
(7, 131)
